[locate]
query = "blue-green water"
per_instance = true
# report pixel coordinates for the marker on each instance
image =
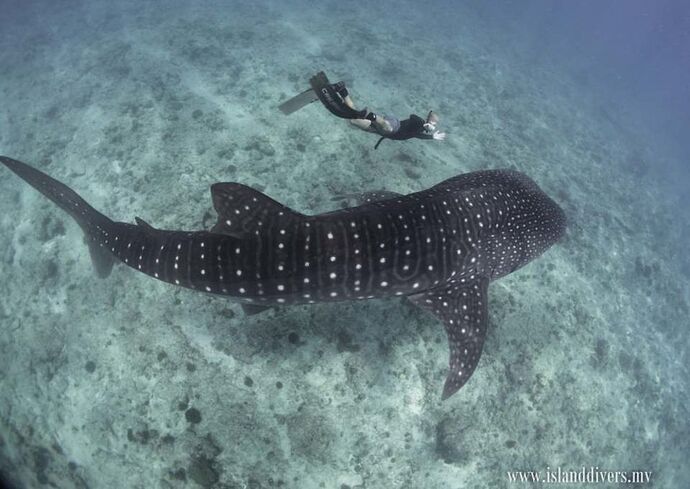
(140, 107)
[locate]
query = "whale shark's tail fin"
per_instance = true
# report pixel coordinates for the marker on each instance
(89, 219)
(85, 215)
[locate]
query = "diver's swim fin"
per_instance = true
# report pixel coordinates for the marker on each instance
(330, 97)
(298, 101)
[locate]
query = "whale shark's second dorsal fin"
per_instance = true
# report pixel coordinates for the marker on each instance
(242, 210)
(144, 224)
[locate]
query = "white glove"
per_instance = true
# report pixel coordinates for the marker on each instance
(439, 136)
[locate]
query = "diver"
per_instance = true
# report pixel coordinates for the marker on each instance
(336, 98)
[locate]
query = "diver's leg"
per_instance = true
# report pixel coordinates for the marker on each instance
(363, 124)
(383, 127)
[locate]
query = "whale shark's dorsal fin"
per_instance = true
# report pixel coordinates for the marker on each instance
(463, 309)
(242, 210)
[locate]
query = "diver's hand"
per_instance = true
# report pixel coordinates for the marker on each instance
(439, 136)
(429, 127)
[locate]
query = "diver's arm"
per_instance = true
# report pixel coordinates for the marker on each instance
(436, 136)
(430, 131)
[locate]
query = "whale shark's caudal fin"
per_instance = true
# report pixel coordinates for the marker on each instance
(88, 218)
(463, 309)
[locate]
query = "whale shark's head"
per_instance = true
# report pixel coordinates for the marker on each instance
(533, 222)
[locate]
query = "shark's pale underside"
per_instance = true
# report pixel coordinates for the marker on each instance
(440, 248)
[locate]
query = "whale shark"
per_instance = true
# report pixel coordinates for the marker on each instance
(439, 248)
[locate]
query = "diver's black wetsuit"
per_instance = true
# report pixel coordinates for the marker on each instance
(413, 127)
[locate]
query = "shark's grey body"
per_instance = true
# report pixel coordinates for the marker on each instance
(439, 247)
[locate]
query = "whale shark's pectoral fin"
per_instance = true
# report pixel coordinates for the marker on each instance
(463, 310)
(367, 197)
(252, 309)
(242, 210)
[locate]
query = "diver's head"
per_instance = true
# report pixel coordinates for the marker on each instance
(432, 118)
(429, 127)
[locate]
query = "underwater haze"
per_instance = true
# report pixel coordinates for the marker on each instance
(141, 106)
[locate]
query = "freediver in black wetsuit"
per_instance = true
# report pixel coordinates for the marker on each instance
(336, 98)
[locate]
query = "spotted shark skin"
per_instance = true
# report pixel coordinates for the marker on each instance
(440, 248)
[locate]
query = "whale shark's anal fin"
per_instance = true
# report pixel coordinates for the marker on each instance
(463, 309)
(242, 210)
(101, 258)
